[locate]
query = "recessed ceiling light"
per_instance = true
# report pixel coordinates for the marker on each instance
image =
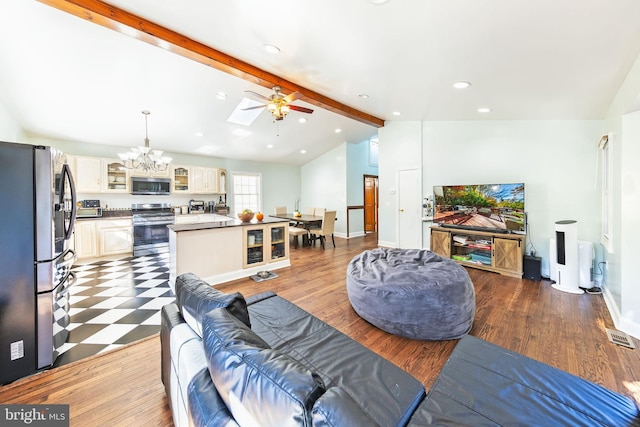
(270, 146)
(484, 110)
(199, 134)
(221, 95)
(303, 151)
(302, 120)
(461, 85)
(396, 113)
(338, 130)
(241, 132)
(363, 96)
(271, 48)
(378, 1)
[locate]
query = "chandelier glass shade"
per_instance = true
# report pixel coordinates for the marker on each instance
(145, 158)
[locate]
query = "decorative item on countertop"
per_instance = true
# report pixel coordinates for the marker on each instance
(246, 215)
(296, 211)
(259, 216)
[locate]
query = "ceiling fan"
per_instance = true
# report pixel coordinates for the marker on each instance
(279, 104)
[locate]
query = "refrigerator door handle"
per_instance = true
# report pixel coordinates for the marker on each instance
(67, 176)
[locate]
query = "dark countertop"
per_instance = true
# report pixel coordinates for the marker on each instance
(223, 224)
(110, 214)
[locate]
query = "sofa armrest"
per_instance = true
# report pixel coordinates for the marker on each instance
(170, 317)
(260, 297)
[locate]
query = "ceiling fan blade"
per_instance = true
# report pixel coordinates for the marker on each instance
(253, 108)
(256, 94)
(292, 97)
(301, 109)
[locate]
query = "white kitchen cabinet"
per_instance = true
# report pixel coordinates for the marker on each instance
(180, 176)
(88, 174)
(115, 177)
(203, 180)
(86, 239)
(115, 237)
(96, 238)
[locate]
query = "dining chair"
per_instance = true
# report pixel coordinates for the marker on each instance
(326, 229)
(281, 210)
(297, 231)
(309, 211)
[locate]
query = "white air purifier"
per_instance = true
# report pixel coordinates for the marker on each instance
(567, 258)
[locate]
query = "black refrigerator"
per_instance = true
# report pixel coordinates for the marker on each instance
(37, 214)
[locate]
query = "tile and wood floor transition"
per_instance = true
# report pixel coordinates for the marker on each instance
(123, 387)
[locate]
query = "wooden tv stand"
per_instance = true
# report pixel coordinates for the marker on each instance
(498, 252)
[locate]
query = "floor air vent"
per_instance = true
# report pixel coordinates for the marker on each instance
(620, 338)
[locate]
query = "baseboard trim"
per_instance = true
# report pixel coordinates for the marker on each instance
(383, 244)
(622, 324)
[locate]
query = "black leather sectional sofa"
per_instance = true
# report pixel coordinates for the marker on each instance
(263, 361)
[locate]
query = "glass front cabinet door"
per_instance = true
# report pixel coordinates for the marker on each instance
(279, 248)
(265, 244)
(254, 246)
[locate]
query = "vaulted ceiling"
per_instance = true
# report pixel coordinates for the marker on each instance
(68, 77)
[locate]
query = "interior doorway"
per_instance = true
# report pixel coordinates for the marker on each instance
(370, 203)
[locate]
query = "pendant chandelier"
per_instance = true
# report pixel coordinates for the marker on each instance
(143, 157)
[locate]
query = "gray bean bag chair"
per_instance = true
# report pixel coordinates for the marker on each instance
(412, 293)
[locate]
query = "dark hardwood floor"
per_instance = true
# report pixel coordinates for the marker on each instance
(123, 387)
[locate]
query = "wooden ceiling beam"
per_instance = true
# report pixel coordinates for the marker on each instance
(127, 23)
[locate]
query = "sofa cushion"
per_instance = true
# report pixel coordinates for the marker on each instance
(196, 297)
(336, 408)
(206, 408)
(387, 393)
(259, 385)
(483, 384)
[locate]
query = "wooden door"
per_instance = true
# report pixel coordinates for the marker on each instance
(370, 203)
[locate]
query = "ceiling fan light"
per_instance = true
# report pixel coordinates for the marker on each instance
(271, 107)
(285, 109)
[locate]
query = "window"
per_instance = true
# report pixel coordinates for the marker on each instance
(247, 188)
(373, 152)
(607, 228)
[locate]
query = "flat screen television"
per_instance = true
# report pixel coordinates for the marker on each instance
(486, 207)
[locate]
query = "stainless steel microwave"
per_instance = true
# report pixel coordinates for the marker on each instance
(146, 185)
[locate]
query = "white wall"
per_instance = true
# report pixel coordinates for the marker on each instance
(400, 149)
(621, 288)
(555, 159)
(324, 185)
(9, 129)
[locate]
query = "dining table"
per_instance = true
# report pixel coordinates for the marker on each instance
(301, 220)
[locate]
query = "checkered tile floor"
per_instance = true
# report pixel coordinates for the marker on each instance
(115, 303)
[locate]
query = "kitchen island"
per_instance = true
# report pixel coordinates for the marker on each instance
(222, 248)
